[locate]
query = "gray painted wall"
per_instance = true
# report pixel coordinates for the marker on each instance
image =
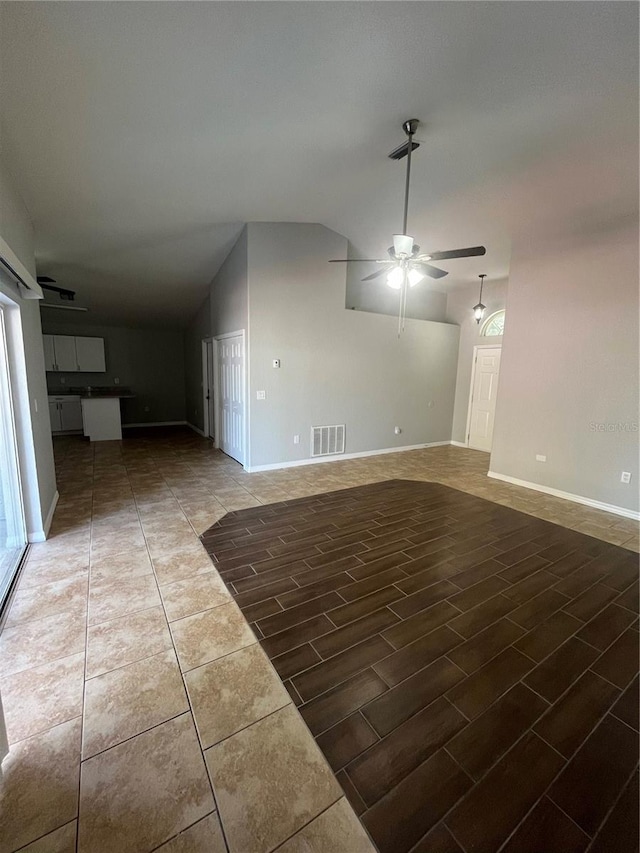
(149, 361)
(459, 305)
(17, 231)
(338, 366)
(570, 361)
(229, 291)
(198, 329)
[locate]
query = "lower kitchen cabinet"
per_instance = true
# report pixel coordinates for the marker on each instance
(65, 414)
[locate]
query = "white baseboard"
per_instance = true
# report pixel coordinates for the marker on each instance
(41, 535)
(568, 496)
(253, 469)
(458, 443)
(157, 423)
(197, 429)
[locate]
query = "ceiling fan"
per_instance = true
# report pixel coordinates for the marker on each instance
(406, 266)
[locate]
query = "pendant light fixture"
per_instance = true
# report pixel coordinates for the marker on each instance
(479, 309)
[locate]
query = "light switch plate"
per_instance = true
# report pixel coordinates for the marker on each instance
(261, 395)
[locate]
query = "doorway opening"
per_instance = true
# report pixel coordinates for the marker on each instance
(485, 373)
(208, 388)
(224, 393)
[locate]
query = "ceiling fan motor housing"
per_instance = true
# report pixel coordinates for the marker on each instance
(403, 245)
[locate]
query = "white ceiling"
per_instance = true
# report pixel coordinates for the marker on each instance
(142, 135)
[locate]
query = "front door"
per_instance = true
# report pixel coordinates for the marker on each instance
(231, 371)
(483, 400)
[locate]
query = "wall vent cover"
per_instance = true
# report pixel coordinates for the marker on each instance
(327, 440)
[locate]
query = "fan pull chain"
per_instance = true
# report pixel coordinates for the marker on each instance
(402, 313)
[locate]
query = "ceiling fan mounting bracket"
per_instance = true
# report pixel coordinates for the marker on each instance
(410, 126)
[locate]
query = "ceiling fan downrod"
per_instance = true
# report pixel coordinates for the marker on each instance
(410, 126)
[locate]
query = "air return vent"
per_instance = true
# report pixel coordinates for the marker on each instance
(327, 440)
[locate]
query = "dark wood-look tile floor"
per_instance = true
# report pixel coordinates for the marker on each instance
(469, 672)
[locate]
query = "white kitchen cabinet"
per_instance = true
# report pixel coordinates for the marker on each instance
(65, 414)
(65, 351)
(90, 355)
(49, 352)
(73, 354)
(55, 416)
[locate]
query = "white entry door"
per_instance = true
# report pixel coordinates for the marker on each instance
(484, 390)
(231, 371)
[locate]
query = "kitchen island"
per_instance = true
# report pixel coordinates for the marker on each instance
(95, 410)
(101, 418)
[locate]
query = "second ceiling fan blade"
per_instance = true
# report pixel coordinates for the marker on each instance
(383, 271)
(471, 252)
(427, 269)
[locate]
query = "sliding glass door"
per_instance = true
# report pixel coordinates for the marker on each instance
(13, 538)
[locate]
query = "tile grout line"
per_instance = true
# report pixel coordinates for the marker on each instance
(184, 687)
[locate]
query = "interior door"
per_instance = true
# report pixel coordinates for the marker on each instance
(231, 370)
(483, 399)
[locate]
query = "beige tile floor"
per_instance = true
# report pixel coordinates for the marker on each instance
(142, 714)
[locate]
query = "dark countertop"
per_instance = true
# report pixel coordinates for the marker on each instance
(94, 393)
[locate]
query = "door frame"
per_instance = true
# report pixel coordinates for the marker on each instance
(216, 392)
(473, 379)
(206, 421)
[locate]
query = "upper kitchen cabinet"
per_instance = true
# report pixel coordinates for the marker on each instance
(70, 354)
(90, 355)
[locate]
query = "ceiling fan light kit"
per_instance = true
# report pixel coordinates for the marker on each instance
(406, 267)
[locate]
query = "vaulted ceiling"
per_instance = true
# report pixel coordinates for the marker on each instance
(141, 135)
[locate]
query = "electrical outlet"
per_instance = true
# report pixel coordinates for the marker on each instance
(63, 380)
(397, 430)
(540, 458)
(296, 439)
(116, 381)
(276, 362)
(626, 477)
(261, 395)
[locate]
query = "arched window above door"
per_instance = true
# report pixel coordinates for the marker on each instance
(494, 325)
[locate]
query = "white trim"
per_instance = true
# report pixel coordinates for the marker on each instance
(197, 429)
(52, 509)
(18, 269)
(458, 443)
(41, 535)
(157, 423)
(473, 379)
(567, 496)
(318, 460)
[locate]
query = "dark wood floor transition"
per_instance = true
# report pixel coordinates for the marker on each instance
(470, 672)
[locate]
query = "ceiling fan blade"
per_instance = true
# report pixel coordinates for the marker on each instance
(471, 252)
(383, 271)
(358, 261)
(427, 269)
